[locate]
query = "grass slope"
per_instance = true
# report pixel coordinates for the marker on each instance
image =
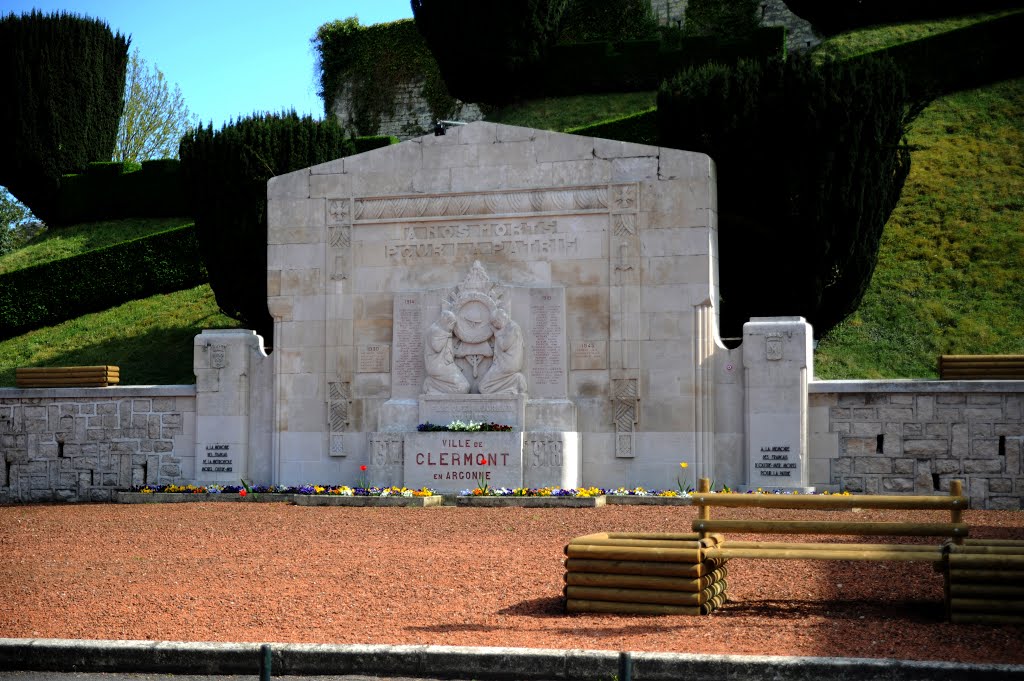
(950, 275)
(66, 242)
(149, 339)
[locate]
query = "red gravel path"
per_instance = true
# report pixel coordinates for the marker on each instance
(446, 576)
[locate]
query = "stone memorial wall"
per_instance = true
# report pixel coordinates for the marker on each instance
(440, 278)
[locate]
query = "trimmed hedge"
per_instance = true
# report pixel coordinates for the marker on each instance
(226, 172)
(635, 65)
(64, 78)
(810, 163)
(56, 291)
(364, 144)
(105, 192)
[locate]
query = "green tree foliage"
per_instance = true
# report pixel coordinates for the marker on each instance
(17, 224)
(155, 116)
(726, 18)
(375, 62)
(226, 172)
(65, 78)
(810, 163)
(587, 21)
(488, 50)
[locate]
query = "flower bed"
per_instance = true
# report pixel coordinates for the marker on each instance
(540, 497)
(460, 427)
(303, 495)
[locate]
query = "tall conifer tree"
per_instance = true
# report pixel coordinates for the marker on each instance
(810, 163)
(66, 74)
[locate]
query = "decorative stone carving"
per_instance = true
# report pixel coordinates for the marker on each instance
(443, 375)
(487, 203)
(338, 396)
(505, 374)
(475, 328)
(626, 395)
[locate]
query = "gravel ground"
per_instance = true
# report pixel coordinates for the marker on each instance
(448, 576)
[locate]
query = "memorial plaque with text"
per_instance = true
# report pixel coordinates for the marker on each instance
(407, 370)
(546, 343)
(588, 355)
(217, 462)
(455, 461)
(374, 359)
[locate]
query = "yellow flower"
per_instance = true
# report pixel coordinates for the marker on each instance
(683, 464)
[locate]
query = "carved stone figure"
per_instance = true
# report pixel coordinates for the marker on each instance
(443, 374)
(505, 372)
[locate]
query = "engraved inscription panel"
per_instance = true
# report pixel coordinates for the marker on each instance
(588, 355)
(546, 343)
(373, 359)
(407, 371)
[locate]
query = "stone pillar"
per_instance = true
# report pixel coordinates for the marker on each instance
(777, 364)
(226, 363)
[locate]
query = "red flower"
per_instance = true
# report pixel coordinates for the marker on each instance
(363, 467)
(241, 492)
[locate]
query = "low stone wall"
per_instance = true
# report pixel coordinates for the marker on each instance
(81, 444)
(892, 437)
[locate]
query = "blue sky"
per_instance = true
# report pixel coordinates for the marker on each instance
(230, 58)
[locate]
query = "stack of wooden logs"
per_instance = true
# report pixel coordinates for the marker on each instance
(67, 377)
(644, 574)
(974, 367)
(985, 581)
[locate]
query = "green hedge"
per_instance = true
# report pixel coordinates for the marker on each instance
(64, 83)
(64, 289)
(634, 65)
(369, 143)
(106, 192)
(968, 57)
(111, 168)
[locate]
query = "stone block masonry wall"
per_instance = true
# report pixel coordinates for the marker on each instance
(913, 437)
(81, 444)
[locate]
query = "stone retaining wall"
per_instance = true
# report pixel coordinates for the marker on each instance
(893, 437)
(81, 444)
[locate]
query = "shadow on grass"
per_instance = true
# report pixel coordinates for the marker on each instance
(160, 356)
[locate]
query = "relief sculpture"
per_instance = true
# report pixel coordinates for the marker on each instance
(474, 346)
(505, 373)
(443, 375)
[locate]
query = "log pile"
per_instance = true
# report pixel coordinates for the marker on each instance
(67, 377)
(644, 574)
(985, 581)
(974, 367)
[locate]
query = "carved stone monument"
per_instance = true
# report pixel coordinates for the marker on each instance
(562, 285)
